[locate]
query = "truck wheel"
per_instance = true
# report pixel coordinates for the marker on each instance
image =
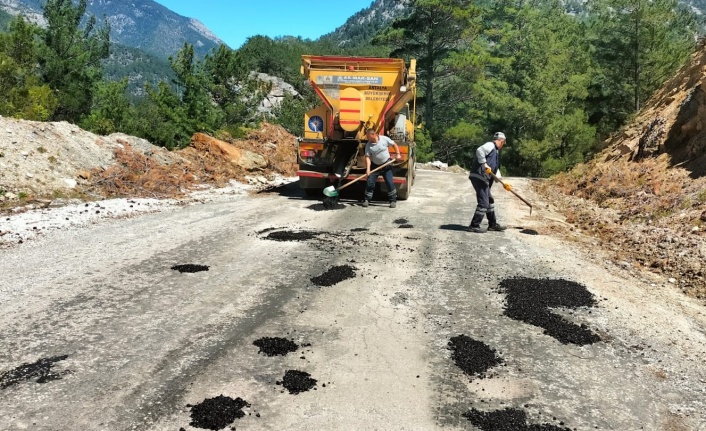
(312, 192)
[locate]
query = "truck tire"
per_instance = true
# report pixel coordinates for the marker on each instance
(312, 192)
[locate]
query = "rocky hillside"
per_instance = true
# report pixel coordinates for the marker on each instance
(143, 24)
(48, 161)
(362, 26)
(644, 197)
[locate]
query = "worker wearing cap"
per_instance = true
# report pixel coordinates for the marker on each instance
(487, 161)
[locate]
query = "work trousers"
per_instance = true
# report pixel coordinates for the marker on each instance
(486, 203)
(372, 179)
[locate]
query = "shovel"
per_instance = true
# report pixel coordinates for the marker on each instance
(332, 192)
(512, 191)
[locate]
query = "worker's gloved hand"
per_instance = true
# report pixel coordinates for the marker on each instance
(488, 171)
(507, 186)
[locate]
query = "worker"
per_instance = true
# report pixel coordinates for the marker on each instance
(487, 161)
(377, 153)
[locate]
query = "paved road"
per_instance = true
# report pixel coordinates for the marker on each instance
(143, 342)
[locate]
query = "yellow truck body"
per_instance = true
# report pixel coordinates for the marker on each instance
(357, 93)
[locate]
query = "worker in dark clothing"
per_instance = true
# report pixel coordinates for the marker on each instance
(487, 161)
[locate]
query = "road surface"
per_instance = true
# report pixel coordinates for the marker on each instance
(130, 344)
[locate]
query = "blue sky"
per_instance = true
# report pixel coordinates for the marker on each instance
(235, 20)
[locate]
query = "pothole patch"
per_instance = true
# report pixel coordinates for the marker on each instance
(290, 235)
(507, 420)
(529, 300)
(40, 371)
(217, 413)
(472, 356)
(334, 275)
(332, 206)
(297, 382)
(275, 346)
(190, 268)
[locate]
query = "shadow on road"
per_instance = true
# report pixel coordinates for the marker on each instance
(456, 227)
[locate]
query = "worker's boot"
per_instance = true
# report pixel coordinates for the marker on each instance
(477, 218)
(493, 222)
(392, 196)
(366, 203)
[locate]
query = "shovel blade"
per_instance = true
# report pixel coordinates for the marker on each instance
(331, 192)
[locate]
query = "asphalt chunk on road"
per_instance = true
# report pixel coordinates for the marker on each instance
(507, 420)
(529, 300)
(472, 356)
(297, 382)
(332, 206)
(401, 221)
(190, 268)
(360, 229)
(406, 226)
(275, 346)
(217, 413)
(334, 275)
(289, 235)
(42, 371)
(529, 232)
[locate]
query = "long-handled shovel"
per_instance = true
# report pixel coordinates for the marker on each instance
(332, 193)
(512, 191)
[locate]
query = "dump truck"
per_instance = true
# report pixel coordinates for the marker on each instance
(357, 93)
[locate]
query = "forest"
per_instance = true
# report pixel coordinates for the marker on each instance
(557, 77)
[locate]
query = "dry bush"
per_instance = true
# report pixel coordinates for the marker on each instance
(135, 174)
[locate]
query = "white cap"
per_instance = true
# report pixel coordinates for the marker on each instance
(499, 135)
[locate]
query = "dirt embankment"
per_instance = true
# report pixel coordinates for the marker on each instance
(48, 161)
(644, 197)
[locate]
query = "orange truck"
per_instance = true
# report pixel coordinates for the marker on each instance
(357, 93)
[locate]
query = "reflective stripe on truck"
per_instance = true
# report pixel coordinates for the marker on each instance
(331, 177)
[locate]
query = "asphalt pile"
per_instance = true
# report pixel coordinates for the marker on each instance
(190, 268)
(507, 420)
(334, 275)
(297, 382)
(275, 346)
(40, 370)
(217, 413)
(472, 356)
(289, 235)
(529, 300)
(326, 207)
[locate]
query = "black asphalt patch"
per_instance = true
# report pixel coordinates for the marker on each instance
(401, 221)
(40, 370)
(297, 381)
(506, 420)
(529, 301)
(217, 413)
(472, 356)
(334, 275)
(190, 268)
(275, 346)
(360, 229)
(529, 232)
(289, 235)
(406, 226)
(326, 206)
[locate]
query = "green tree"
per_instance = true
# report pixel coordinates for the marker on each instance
(22, 94)
(111, 111)
(637, 45)
(433, 33)
(71, 59)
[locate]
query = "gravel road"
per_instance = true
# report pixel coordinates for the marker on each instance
(98, 332)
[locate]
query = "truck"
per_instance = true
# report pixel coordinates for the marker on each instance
(357, 93)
